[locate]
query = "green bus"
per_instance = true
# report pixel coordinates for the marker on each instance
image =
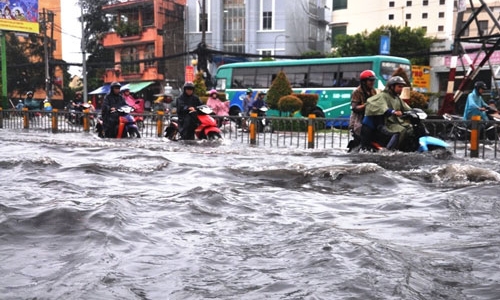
(333, 79)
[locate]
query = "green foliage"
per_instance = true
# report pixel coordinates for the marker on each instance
(200, 88)
(125, 29)
(418, 100)
(312, 54)
(404, 40)
(289, 104)
(309, 102)
(279, 88)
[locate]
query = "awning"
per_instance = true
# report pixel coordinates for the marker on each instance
(135, 87)
(102, 90)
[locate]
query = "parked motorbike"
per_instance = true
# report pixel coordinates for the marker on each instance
(419, 140)
(206, 129)
(263, 124)
(459, 129)
(127, 127)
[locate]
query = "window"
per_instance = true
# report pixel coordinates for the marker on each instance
(297, 75)
(424, 28)
(339, 4)
(233, 34)
(408, 16)
(442, 2)
(391, 3)
(425, 2)
(149, 53)
(338, 31)
(483, 27)
(391, 17)
(441, 15)
(129, 57)
(440, 28)
(203, 22)
(408, 3)
(267, 20)
(424, 15)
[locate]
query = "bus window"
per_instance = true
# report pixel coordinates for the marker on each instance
(297, 75)
(243, 78)
(322, 75)
(221, 84)
(265, 76)
(387, 69)
(350, 74)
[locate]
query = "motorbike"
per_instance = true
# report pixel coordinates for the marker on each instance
(206, 129)
(263, 124)
(418, 141)
(127, 127)
(459, 129)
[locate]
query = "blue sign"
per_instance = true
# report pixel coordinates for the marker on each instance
(385, 45)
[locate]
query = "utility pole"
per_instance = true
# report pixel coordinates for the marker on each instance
(46, 54)
(84, 58)
(202, 48)
(4, 69)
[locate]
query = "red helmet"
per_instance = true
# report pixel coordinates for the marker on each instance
(367, 75)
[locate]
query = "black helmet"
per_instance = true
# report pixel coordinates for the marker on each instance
(115, 84)
(396, 80)
(480, 85)
(188, 86)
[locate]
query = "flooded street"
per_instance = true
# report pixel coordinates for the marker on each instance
(86, 218)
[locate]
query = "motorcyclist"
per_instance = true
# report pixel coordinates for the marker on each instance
(358, 100)
(258, 103)
(383, 114)
(475, 105)
(30, 102)
(112, 102)
(186, 104)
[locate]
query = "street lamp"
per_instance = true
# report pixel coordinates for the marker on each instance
(276, 38)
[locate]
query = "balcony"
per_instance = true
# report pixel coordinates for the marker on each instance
(114, 39)
(324, 15)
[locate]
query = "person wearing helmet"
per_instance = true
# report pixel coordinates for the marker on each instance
(187, 103)
(220, 108)
(259, 102)
(358, 100)
(112, 102)
(383, 114)
(30, 102)
(245, 105)
(475, 105)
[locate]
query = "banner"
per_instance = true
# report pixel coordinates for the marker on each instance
(189, 75)
(421, 78)
(19, 16)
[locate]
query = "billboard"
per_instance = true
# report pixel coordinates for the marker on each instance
(421, 78)
(19, 15)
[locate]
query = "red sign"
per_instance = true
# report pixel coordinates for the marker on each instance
(189, 76)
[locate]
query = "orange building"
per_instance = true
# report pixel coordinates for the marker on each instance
(141, 37)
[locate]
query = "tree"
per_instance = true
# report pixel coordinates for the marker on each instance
(279, 88)
(404, 41)
(200, 88)
(96, 26)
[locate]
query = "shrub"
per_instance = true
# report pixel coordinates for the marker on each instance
(289, 104)
(418, 100)
(279, 88)
(200, 88)
(309, 102)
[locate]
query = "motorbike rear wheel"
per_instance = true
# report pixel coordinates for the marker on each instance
(214, 136)
(134, 133)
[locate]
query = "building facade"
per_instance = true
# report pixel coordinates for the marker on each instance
(144, 36)
(438, 17)
(257, 27)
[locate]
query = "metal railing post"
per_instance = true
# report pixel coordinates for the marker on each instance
(159, 123)
(55, 116)
(253, 128)
(310, 131)
(474, 136)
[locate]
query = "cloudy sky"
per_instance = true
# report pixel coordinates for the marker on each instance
(71, 34)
